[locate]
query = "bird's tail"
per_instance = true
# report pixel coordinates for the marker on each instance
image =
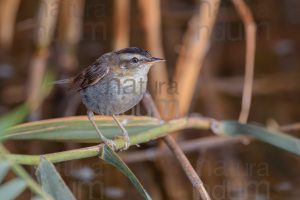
(63, 81)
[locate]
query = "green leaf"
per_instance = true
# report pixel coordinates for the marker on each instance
(22, 173)
(4, 167)
(51, 181)
(112, 158)
(79, 129)
(159, 129)
(278, 139)
(12, 189)
(12, 118)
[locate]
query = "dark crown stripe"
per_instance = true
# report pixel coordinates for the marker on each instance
(134, 50)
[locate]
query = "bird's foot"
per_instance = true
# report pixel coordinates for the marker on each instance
(126, 140)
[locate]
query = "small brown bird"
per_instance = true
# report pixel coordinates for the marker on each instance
(113, 84)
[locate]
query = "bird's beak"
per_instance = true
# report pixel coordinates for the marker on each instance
(156, 60)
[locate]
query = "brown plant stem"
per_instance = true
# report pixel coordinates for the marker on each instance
(178, 153)
(8, 14)
(44, 30)
(187, 167)
(159, 82)
(69, 33)
(250, 28)
(151, 23)
(193, 51)
(121, 24)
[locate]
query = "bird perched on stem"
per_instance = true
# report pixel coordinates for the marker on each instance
(113, 84)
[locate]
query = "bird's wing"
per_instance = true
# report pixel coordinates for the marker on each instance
(91, 75)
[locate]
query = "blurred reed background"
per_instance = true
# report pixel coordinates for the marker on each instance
(204, 43)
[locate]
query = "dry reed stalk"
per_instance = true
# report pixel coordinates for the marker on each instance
(44, 30)
(171, 177)
(192, 54)
(121, 24)
(178, 153)
(290, 127)
(188, 168)
(69, 34)
(8, 14)
(70, 22)
(212, 102)
(250, 28)
(151, 23)
(193, 51)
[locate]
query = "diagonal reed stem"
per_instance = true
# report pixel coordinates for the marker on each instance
(178, 153)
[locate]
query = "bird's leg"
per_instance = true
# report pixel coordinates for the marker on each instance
(106, 141)
(125, 133)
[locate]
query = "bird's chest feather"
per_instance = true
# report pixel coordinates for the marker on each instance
(127, 90)
(115, 95)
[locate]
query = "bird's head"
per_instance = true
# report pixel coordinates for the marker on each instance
(134, 60)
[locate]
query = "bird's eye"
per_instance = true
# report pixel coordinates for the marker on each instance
(134, 60)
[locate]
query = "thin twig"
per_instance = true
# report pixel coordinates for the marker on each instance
(184, 162)
(197, 144)
(250, 28)
(187, 167)
(290, 127)
(273, 125)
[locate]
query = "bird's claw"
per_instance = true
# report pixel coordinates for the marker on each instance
(126, 140)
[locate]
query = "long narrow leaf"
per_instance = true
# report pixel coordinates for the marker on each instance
(111, 157)
(12, 189)
(14, 117)
(51, 181)
(278, 139)
(4, 155)
(4, 167)
(160, 130)
(79, 129)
